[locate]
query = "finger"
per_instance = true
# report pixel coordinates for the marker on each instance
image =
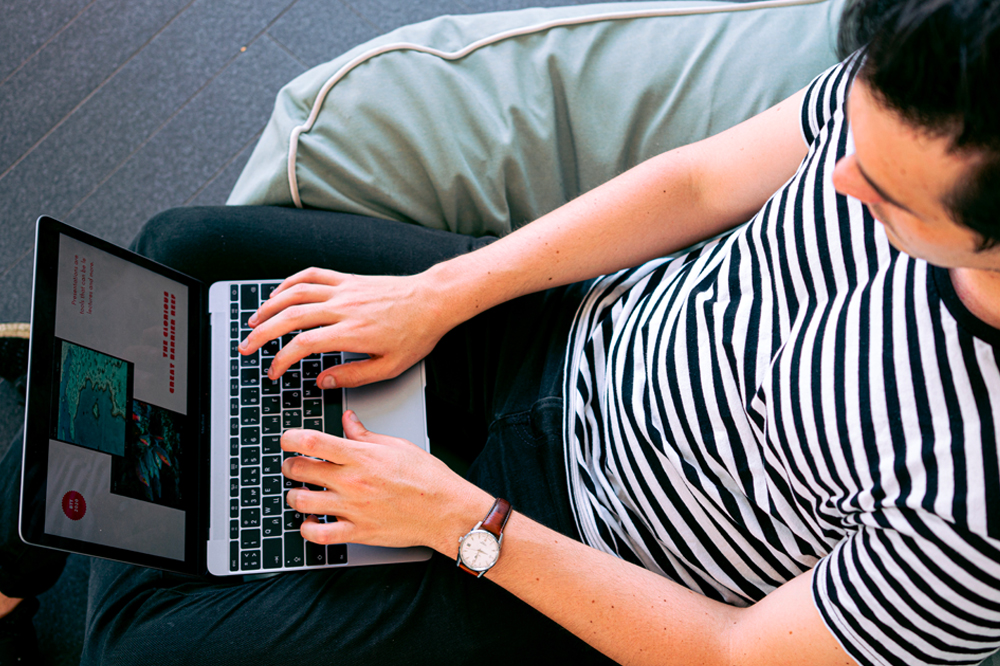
(316, 444)
(313, 275)
(306, 292)
(319, 502)
(327, 533)
(359, 373)
(355, 431)
(306, 343)
(293, 317)
(307, 470)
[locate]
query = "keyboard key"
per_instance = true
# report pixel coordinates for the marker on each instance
(250, 477)
(270, 444)
(250, 360)
(271, 425)
(234, 487)
(271, 506)
(271, 347)
(234, 367)
(291, 380)
(267, 387)
(234, 446)
(234, 406)
(250, 436)
(234, 387)
(234, 556)
(234, 348)
(313, 424)
(234, 292)
(249, 497)
(291, 399)
(293, 520)
(245, 320)
(270, 405)
(271, 556)
(250, 416)
(271, 484)
(313, 408)
(249, 297)
(234, 508)
(315, 554)
(250, 377)
(250, 396)
(249, 518)
(291, 419)
(234, 311)
(266, 289)
(234, 529)
(234, 427)
(271, 526)
(336, 554)
(311, 369)
(272, 465)
(250, 560)
(250, 539)
(234, 467)
(250, 455)
(234, 331)
(294, 551)
(330, 360)
(310, 390)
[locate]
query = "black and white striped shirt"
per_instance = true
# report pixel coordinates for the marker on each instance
(798, 394)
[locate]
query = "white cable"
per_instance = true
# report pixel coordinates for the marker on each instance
(293, 183)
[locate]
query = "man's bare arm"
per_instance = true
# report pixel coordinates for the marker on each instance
(385, 491)
(663, 205)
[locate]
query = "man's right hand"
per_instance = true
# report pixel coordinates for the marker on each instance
(395, 320)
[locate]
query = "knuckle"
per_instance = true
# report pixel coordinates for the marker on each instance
(308, 339)
(322, 536)
(293, 467)
(312, 441)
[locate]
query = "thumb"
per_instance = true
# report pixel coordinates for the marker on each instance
(355, 430)
(356, 373)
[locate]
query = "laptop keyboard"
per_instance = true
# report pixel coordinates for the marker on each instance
(263, 529)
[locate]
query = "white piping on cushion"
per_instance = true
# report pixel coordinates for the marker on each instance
(293, 183)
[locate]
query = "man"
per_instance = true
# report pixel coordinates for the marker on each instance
(778, 448)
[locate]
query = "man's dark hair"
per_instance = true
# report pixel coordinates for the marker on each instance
(936, 63)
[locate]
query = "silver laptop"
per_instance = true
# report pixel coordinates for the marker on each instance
(149, 439)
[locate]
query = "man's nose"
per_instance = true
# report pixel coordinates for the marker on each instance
(847, 180)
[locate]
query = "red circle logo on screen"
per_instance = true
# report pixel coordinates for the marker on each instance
(73, 505)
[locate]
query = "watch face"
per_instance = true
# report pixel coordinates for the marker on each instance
(479, 550)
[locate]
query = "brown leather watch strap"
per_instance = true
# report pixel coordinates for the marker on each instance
(497, 517)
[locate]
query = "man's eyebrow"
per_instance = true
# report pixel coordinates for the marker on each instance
(878, 189)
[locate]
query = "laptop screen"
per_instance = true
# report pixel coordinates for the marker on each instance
(115, 463)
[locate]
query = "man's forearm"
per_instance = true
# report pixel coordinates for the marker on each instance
(647, 212)
(663, 205)
(636, 616)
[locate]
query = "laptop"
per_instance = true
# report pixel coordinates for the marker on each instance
(150, 440)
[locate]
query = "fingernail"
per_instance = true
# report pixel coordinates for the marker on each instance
(328, 382)
(253, 319)
(243, 345)
(353, 417)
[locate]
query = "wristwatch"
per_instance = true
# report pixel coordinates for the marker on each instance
(479, 550)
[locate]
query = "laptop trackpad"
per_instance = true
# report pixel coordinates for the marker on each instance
(394, 407)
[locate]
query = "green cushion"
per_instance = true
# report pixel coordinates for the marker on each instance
(524, 121)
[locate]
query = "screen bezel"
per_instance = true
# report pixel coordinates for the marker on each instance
(37, 427)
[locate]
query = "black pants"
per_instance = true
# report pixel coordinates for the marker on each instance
(494, 398)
